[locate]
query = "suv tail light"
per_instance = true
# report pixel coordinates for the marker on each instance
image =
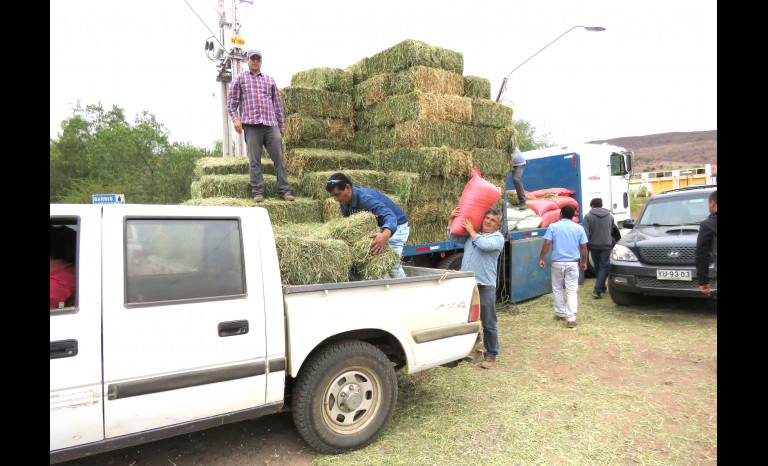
(474, 308)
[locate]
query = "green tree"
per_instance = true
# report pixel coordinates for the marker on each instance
(529, 140)
(99, 150)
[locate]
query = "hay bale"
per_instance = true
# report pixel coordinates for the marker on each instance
(300, 127)
(415, 106)
(367, 141)
(434, 133)
(316, 102)
(430, 161)
(298, 161)
(236, 186)
(328, 144)
(438, 187)
(327, 79)
(370, 91)
(489, 113)
(309, 261)
(236, 165)
(492, 161)
(488, 137)
(425, 79)
(477, 88)
(407, 54)
(220, 201)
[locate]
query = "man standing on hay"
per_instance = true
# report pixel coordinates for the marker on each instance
(481, 255)
(390, 218)
(256, 110)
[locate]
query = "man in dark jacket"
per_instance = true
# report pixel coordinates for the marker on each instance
(598, 224)
(706, 246)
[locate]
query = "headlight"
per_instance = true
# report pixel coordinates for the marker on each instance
(623, 253)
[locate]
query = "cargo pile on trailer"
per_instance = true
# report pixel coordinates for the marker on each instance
(404, 121)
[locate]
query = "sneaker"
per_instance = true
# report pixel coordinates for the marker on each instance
(596, 296)
(522, 207)
(571, 324)
(557, 317)
(286, 197)
(258, 198)
(488, 362)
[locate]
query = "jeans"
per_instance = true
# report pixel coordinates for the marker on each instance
(256, 137)
(601, 259)
(517, 175)
(566, 273)
(397, 241)
(488, 318)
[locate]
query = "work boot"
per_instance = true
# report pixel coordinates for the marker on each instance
(596, 295)
(287, 197)
(488, 362)
(258, 198)
(571, 324)
(557, 317)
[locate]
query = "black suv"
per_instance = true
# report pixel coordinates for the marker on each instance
(658, 256)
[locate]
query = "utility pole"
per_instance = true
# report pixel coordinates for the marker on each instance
(230, 65)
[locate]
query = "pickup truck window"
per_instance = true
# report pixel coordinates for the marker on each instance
(172, 260)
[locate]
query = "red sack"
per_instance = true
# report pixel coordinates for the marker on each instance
(541, 206)
(558, 191)
(478, 196)
(563, 201)
(553, 216)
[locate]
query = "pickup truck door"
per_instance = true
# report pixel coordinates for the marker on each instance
(184, 339)
(75, 377)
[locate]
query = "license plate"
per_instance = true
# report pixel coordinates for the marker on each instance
(673, 275)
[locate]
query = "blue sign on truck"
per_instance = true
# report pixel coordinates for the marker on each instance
(108, 199)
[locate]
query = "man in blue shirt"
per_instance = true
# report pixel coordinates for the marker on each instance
(481, 255)
(389, 216)
(569, 254)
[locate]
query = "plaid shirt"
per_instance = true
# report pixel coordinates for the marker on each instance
(257, 98)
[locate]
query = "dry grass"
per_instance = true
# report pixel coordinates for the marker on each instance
(627, 386)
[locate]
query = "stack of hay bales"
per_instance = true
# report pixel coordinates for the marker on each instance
(417, 114)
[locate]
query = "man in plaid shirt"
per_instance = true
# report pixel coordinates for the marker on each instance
(256, 110)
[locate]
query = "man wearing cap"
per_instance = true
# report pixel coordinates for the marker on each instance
(256, 110)
(389, 216)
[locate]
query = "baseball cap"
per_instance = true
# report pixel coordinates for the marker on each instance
(252, 53)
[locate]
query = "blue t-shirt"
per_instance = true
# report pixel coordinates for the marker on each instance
(388, 213)
(566, 236)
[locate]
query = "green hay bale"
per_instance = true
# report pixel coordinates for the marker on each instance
(301, 210)
(433, 133)
(313, 183)
(424, 79)
(367, 141)
(299, 127)
(427, 232)
(427, 161)
(430, 211)
(235, 165)
(488, 137)
(401, 184)
(327, 79)
(370, 91)
(220, 201)
(316, 102)
(438, 187)
(236, 186)
(415, 106)
(477, 88)
(376, 267)
(298, 161)
(329, 144)
(489, 113)
(306, 261)
(407, 54)
(492, 161)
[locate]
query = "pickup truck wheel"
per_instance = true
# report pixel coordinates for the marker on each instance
(451, 262)
(344, 397)
(622, 298)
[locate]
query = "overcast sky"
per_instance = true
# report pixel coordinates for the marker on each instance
(653, 70)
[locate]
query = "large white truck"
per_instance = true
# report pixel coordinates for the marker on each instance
(181, 323)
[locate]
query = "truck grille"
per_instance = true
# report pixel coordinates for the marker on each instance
(669, 255)
(651, 282)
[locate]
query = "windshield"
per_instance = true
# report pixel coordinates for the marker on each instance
(676, 210)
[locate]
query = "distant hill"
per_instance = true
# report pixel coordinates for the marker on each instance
(670, 151)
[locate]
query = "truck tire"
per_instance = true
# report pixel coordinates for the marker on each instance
(344, 396)
(451, 261)
(622, 298)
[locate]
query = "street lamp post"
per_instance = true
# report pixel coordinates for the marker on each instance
(588, 28)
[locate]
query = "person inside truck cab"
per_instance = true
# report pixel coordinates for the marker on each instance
(62, 252)
(389, 216)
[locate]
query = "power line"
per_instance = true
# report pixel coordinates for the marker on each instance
(206, 26)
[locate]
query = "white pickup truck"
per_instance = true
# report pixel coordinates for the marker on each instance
(181, 323)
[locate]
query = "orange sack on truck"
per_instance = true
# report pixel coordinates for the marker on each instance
(478, 196)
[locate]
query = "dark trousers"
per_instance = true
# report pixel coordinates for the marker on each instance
(256, 137)
(488, 318)
(601, 259)
(517, 175)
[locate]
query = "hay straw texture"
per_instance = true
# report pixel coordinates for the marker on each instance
(415, 106)
(280, 212)
(489, 113)
(326, 79)
(299, 161)
(407, 54)
(320, 143)
(237, 186)
(316, 102)
(300, 127)
(428, 161)
(492, 161)
(433, 133)
(230, 166)
(477, 88)
(306, 261)
(415, 79)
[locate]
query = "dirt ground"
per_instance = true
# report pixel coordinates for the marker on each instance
(273, 440)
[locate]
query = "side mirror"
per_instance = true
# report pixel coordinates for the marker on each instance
(628, 224)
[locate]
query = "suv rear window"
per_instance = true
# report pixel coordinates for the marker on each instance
(677, 210)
